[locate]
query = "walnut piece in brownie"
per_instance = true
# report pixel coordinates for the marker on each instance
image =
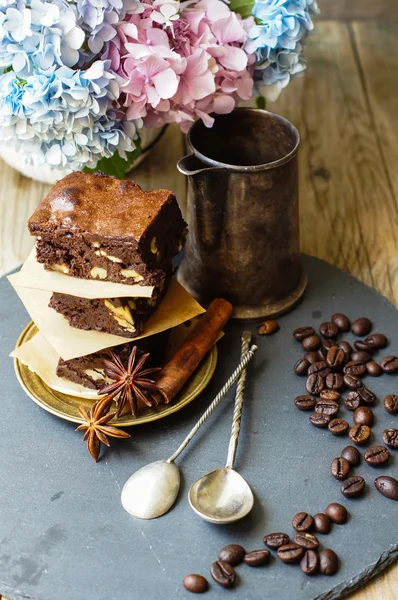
(97, 227)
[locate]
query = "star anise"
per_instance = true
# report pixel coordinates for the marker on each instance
(130, 383)
(96, 428)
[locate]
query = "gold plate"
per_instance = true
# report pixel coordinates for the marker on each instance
(66, 406)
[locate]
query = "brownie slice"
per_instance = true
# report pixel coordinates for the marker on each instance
(97, 227)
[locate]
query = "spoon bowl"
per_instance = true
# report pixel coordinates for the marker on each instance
(221, 496)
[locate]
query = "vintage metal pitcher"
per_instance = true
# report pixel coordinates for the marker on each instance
(242, 213)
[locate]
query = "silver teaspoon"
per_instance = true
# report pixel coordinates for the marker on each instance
(223, 496)
(152, 490)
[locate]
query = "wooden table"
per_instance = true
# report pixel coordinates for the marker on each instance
(346, 108)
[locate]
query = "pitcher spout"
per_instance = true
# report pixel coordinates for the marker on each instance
(191, 165)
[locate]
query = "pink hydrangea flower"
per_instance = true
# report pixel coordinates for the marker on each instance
(178, 61)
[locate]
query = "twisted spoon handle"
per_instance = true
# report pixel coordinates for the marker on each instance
(233, 442)
(242, 365)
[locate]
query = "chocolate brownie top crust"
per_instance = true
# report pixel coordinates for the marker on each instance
(98, 204)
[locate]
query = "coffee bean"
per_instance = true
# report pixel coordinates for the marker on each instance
(329, 330)
(340, 468)
(337, 513)
(315, 384)
(334, 381)
(306, 540)
(390, 437)
(377, 341)
(338, 426)
(309, 564)
(361, 356)
(359, 434)
(363, 416)
(353, 486)
(346, 346)
(342, 322)
(268, 327)
(327, 407)
(335, 357)
(328, 562)
(313, 342)
(305, 402)
(377, 455)
(328, 344)
(257, 558)
(301, 366)
(276, 540)
(303, 332)
(223, 573)
(322, 523)
(373, 369)
(388, 486)
(366, 395)
(321, 368)
(195, 583)
(361, 327)
(330, 395)
(391, 403)
(312, 357)
(355, 367)
(302, 522)
(389, 364)
(319, 420)
(352, 455)
(363, 346)
(352, 381)
(352, 401)
(290, 553)
(232, 554)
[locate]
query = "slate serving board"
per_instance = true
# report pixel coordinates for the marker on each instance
(65, 536)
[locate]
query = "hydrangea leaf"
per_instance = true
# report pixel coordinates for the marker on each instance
(261, 102)
(243, 7)
(115, 165)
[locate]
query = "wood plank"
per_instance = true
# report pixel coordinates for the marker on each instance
(348, 212)
(358, 9)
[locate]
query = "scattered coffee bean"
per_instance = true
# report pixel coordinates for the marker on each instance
(328, 344)
(302, 522)
(329, 330)
(359, 434)
(338, 426)
(290, 553)
(377, 341)
(335, 357)
(337, 513)
(363, 416)
(320, 368)
(303, 332)
(223, 573)
(328, 562)
(352, 401)
(268, 327)
(330, 395)
(363, 346)
(362, 356)
(320, 420)
(361, 327)
(232, 554)
(306, 540)
(352, 381)
(355, 367)
(257, 558)
(377, 455)
(390, 437)
(352, 455)
(309, 564)
(388, 486)
(342, 322)
(195, 583)
(327, 407)
(301, 366)
(353, 486)
(322, 523)
(315, 384)
(346, 346)
(389, 364)
(373, 369)
(340, 468)
(366, 395)
(391, 404)
(276, 540)
(312, 357)
(305, 402)
(313, 342)
(334, 381)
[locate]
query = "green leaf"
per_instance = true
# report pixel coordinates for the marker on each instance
(261, 102)
(116, 166)
(243, 7)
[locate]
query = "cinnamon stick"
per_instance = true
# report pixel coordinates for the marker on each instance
(199, 341)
